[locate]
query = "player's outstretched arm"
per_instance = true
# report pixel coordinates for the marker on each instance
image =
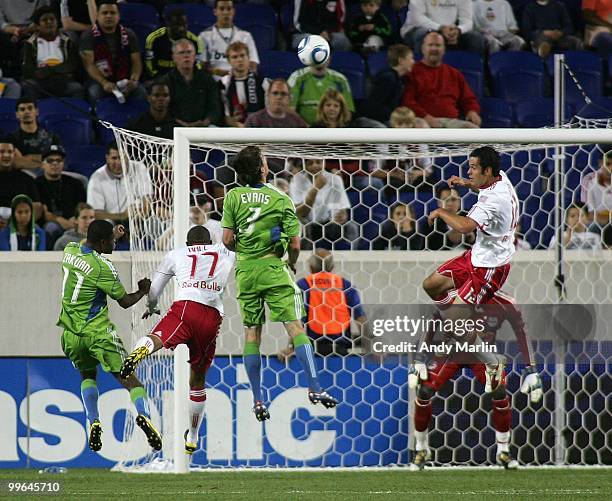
(462, 224)
(459, 181)
(131, 299)
(229, 239)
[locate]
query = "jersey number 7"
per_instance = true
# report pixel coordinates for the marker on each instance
(194, 262)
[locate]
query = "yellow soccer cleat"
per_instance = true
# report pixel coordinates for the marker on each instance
(190, 447)
(153, 436)
(131, 362)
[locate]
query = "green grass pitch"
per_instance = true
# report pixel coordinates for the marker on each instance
(446, 484)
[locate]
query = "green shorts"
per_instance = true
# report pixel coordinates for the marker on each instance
(267, 281)
(86, 352)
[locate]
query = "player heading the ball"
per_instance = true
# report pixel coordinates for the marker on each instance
(260, 223)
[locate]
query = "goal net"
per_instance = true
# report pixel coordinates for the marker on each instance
(389, 180)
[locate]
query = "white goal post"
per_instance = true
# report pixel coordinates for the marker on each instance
(393, 275)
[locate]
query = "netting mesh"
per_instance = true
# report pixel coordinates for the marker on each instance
(385, 193)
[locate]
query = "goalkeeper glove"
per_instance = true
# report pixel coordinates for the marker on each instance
(417, 373)
(532, 384)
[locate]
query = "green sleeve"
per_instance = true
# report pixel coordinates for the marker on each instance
(108, 281)
(291, 224)
(228, 221)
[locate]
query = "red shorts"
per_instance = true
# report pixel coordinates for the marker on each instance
(440, 370)
(195, 325)
(474, 285)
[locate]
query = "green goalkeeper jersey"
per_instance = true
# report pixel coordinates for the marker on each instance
(88, 277)
(263, 219)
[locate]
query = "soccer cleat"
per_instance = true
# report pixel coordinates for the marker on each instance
(190, 447)
(322, 397)
(95, 436)
(131, 362)
(152, 434)
(418, 463)
(261, 411)
(505, 459)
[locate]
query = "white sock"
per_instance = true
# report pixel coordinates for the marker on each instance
(145, 341)
(422, 442)
(196, 409)
(503, 441)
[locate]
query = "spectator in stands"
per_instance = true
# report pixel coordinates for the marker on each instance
(308, 86)
(76, 17)
(438, 92)
(331, 302)
(22, 233)
(50, 60)
(9, 87)
(243, 89)
(13, 182)
(157, 121)
(30, 139)
(576, 234)
(158, 46)
(111, 56)
(194, 95)
(84, 214)
(218, 37)
(106, 191)
(454, 20)
(59, 194)
(496, 21)
(399, 232)
(388, 85)
(596, 194)
(321, 17)
(438, 236)
(322, 205)
(332, 111)
(547, 26)
(371, 30)
(16, 16)
(277, 112)
(597, 16)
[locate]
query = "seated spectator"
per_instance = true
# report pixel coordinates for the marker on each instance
(16, 16)
(495, 20)
(13, 182)
(597, 16)
(218, 37)
(22, 233)
(576, 234)
(30, 139)
(194, 95)
(308, 86)
(411, 173)
(243, 89)
(277, 112)
(371, 30)
(76, 17)
(59, 195)
(200, 214)
(157, 121)
(438, 92)
(9, 87)
(399, 232)
(388, 85)
(158, 46)
(83, 216)
(438, 236)
(111, 56)
(330, 303)
(596, 194)
(547, 26)
(321, 17)
(454, 21)
(50, 60)
(322, 205)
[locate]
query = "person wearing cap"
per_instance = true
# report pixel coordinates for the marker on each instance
(50, 60)
(60, 193)
(22, 233)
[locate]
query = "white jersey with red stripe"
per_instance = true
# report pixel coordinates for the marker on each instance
(496, 213)
(201, 273)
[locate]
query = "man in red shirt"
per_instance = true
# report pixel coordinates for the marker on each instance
(437, 92)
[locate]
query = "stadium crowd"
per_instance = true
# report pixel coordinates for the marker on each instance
(151, 66)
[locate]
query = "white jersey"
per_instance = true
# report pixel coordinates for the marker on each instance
(496, 213)
(201, 273)
(216, 41)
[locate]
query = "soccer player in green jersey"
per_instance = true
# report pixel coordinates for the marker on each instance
(89, 337)
(260, 225)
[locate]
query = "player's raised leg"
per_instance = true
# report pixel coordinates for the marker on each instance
(89, 394)
(197, 400)
(252, 364)
(144, 347)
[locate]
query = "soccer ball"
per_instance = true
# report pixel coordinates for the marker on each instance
(313, 50)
